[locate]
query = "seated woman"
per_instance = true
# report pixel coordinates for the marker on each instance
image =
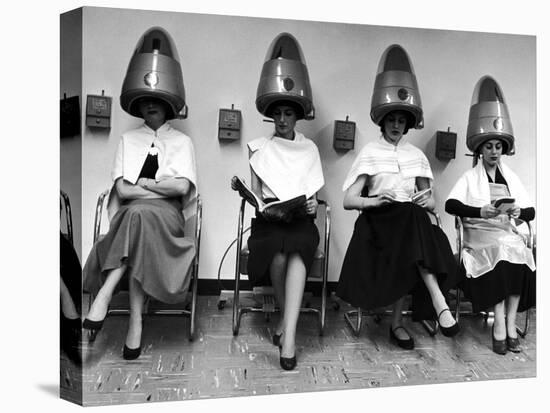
(500, 269)
(154, 175)
(394, 249)
(284, 165)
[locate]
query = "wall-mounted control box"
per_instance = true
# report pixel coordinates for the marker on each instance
(229, 124)
(445, 145)
(98, 111)
(344, 135)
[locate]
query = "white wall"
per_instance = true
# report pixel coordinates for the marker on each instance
(221, 59)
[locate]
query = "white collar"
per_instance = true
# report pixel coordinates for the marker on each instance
(165, 127)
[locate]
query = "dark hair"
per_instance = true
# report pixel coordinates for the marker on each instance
(502, 141)
(297, 108)
(411, 120)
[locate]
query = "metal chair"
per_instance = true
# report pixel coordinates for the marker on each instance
(430, 326)
(318, 271)
(193, 225)
(66, 210)
(460, 247)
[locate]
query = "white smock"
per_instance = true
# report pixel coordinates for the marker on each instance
(490, 240)
(175, 154)
(390, 167)
(289, 168)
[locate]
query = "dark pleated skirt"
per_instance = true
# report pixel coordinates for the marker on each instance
(381, 262)
(146, 235)
(268, 238)
(71, 271)
(504, 280)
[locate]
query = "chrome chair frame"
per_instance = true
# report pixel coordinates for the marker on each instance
(430, 326)
(459, 246)
(191, 312)
(239, 310)
(66, 206)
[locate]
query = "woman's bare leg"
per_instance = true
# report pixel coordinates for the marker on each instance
(99, 307)
(277, 271)
(294, 291)
(499, 325)
(137, 299)
(397, 319)
(512, 303)
(446, 318)
(67, 305)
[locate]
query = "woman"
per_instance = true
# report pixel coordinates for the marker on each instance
(154, 175)
(283, 166)
(395, 250)
(499, 267)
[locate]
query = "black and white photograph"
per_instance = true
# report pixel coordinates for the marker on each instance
(283, 207)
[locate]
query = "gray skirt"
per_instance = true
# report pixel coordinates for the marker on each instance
(146, 235)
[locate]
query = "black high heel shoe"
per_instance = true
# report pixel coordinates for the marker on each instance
(448, 331)
(73, 324)
(407, 344)
(131, 353)
(287, 363)
(70, 338)
(499, 346)
(93, 326)
(512, 344)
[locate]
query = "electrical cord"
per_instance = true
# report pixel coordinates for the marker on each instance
(223, 258)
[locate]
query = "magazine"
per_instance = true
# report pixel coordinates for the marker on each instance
(276, 210)
(400, 195)
(504, 205)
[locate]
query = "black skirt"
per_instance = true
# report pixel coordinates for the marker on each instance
(71, 271)
(269, 238)
(504, 280)
(381, 263)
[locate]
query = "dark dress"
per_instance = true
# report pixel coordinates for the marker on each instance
(506, 278)
(267, 238)
(381, 262)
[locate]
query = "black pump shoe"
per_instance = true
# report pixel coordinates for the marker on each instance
(93, 326)
(499, 346)
(448, 331)
(512, 344)
(131, 353)
(287, 363)
(407, 344)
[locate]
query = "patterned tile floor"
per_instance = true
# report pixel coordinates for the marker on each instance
(217, 364)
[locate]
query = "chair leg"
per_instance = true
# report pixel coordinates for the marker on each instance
(457, 311)
(357, 327)
(236, 307)
(193, 312)
(322, 313)
(431, 329)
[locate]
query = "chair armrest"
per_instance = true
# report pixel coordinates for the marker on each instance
(98, 213)
(66, 204)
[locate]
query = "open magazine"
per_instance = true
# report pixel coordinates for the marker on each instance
(276, 210)
(401, 195)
